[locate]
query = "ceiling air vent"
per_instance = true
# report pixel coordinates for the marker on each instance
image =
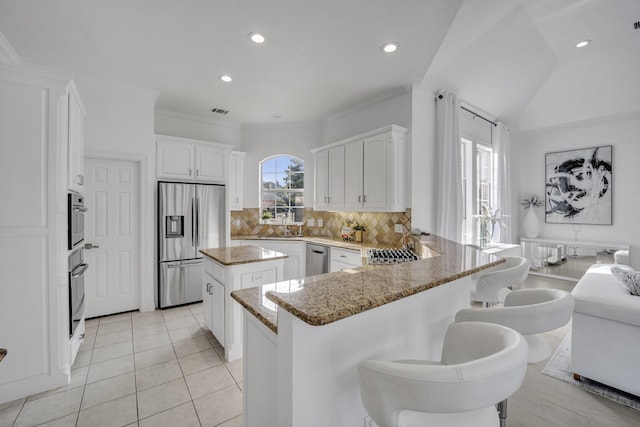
(219, 111)
(636, 25)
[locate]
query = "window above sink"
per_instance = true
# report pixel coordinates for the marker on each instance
(282, 190)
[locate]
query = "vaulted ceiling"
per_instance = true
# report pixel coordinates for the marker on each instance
(514, 59)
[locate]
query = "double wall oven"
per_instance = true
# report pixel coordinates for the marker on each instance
(77, 266)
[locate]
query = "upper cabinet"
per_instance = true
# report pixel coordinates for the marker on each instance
(75, 136)
(236, 165)
(364, 173)
(191, 160)
(329, 179)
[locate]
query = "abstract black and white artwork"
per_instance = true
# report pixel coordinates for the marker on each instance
(579, 186)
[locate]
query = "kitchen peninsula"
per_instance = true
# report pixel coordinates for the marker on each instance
(228, 269)
(304, 338)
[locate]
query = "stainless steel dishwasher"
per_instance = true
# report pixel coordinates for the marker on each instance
(317, 259)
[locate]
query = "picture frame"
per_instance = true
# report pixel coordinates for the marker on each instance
(579, 186)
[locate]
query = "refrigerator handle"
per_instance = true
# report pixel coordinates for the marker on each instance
(193, 222)
(197, 221)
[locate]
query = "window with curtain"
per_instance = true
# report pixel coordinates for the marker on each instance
(478, 174)
(478, 179)
(282, 188)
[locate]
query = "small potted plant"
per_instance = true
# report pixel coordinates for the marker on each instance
(266, 216)
(488, 220)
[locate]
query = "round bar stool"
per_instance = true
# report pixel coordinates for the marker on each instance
(530, 312)
(482, 364)
(486, 285)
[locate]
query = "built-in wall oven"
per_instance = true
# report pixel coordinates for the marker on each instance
(76, 208)
(77, 268)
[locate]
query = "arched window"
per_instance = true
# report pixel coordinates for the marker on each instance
(282, 188)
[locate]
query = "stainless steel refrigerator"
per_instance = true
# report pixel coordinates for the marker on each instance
(190, 217)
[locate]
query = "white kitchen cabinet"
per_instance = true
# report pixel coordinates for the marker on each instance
(294, 264)
(341, 259)
(373, 174)
(321, 180)
(207, 282)
(75, 154)
(218, 311)
(191, 160)
(236, 181)
(34, 296)
(221, 313)
(329, 179)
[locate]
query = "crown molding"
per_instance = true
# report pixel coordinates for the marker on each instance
(201, 119)
(7, 54)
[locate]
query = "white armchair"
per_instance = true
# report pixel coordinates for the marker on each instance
(481, 365)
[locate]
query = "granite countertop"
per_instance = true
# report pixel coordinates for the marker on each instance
(326, 298)
(241, 254)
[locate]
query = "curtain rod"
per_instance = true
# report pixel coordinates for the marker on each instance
(478, 115)
(474, 113)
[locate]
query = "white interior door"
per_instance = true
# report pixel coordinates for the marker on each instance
(112, 282)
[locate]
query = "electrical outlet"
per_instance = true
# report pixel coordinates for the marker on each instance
(398, 228)
(320, 222)
(237, 223)
(311, 222)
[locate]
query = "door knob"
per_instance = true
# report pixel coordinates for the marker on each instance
(90, 246)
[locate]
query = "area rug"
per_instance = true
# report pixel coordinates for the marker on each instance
(559, 367)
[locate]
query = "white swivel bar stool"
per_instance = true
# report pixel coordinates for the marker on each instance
(482, 365)
(530, 312)
(486, 285)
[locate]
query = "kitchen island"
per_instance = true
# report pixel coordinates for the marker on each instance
(304, 338)
(228, 269)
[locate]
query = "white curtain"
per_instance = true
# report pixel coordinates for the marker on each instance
(450, 199)
(502, 193)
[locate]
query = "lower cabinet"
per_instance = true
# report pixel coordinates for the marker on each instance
(342, 259)
(221, 313)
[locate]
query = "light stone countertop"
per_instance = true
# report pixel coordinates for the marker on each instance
(326, 298)
(241, 254)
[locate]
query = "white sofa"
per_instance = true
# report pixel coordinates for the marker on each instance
(605, 342)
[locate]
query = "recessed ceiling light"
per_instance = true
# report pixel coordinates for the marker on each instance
(256, 37)
(276, 116)
(389, 47)
(225, 78)
(583, 43)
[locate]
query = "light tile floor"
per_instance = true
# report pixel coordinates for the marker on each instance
(141, 369)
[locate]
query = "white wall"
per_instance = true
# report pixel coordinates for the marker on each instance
(423, 160)
(185, 126)
(394, 109)
(262, 141)
(120, 124)
(528, 153)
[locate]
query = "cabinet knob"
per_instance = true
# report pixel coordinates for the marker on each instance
(364, 198)
(359, 199)
(197, 172)
(80, 179)
(209, 288)
(190, 171)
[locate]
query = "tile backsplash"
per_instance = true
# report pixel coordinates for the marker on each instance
(380, 226)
